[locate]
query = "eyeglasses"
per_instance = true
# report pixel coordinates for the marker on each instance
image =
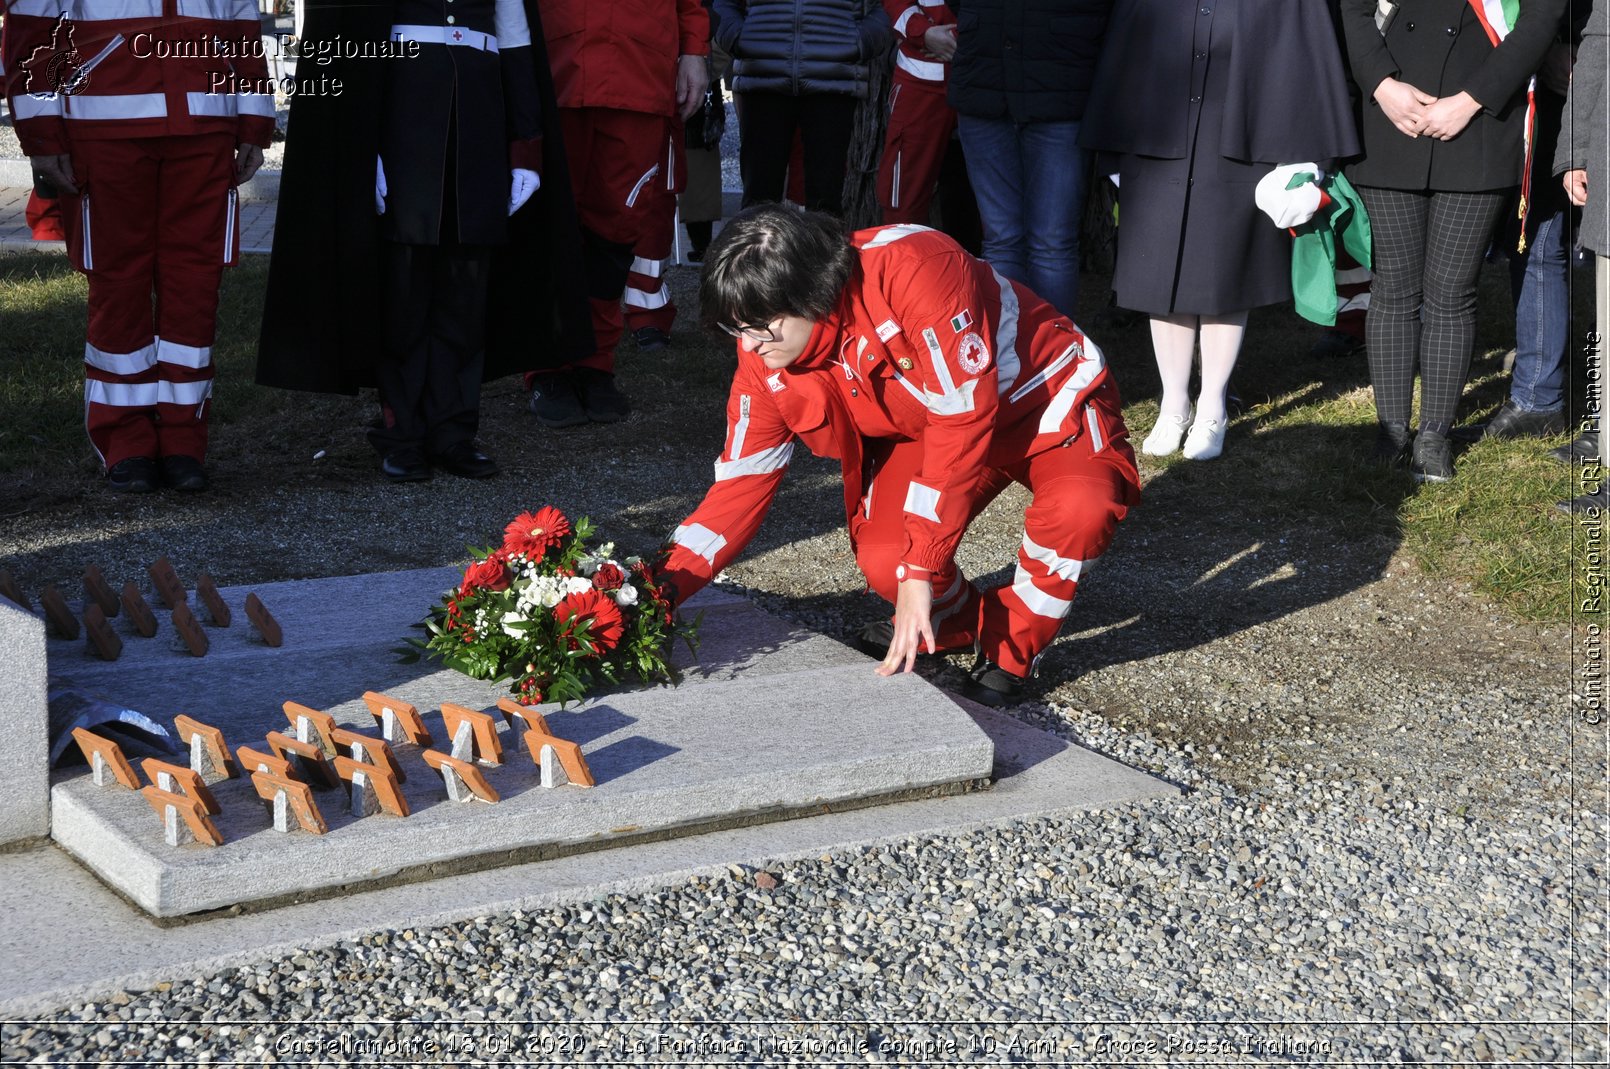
(760, 333)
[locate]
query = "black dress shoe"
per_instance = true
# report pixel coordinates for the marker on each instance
(405, 464)
(600, 397)
(133, 475)
(554, 401)
(1584, 446)
(1391, 443)
(1433, 458)
(466, 461)
(1513, 422)
(184, 473)
(990, 684)
(651, 339)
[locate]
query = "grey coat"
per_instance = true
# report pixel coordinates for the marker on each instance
(1583, 142)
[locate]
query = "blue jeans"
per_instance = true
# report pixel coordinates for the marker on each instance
(1030, 181)
(1539, 279)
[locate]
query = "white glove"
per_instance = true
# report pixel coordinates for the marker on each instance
(522, 183)
(1289, 207)
(380, 186)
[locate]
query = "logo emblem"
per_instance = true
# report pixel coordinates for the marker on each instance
(961, 321)
(972, 356)
(905, 363)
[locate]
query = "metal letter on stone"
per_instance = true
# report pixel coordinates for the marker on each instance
(97, 590)
(263, 621)
(141, 618)
(169, 589)
(102, 639)
(209, 757)
(217, 611)
(57, 614)
(106, 760)
(399, 721)
(465, 781)
(521, 719)
(189, 629)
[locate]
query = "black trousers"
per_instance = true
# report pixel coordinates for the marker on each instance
(435, 346)
(1428, 254)
(766, 123)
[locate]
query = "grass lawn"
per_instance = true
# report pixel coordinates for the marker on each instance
(1300, 448)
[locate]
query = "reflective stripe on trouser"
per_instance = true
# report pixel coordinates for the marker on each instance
(921, 122)
(1079, 497)
(156, 219)
(648, 299)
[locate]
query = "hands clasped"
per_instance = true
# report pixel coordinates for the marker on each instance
(1415, 112)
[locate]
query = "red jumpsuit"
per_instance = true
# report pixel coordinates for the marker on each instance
(921, 121)
(648, 298)
(152, 127)
(614, 71)
(935, 383)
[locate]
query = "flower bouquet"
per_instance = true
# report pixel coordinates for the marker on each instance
(554, 615)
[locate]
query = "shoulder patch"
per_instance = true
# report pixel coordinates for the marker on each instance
(972, 355)
(888, 329)
(961, 321)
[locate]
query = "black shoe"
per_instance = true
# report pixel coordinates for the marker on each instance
(554, 401)
(183, 473)
(1513, 422)
(873, 639)
(600, 397)
(405, 464)
(1336, 345)
(990, 684)
(651, 339)
(1391, 444)
(1433, 458)
(1587, 504)
(1584, 446)
(465, 461)
(134, 475)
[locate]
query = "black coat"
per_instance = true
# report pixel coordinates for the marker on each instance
(1439, 47)
(322, 328)
(795, 47)
(1286, 95)
(1026, 60)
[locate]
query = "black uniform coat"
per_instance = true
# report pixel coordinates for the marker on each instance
(1439, 47)
(322, 326)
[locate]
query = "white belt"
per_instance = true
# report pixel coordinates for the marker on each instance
(446, 35)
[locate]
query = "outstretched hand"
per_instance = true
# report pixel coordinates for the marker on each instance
(913, 624)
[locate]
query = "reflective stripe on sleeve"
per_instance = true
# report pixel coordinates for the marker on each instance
(953, 403)
(920, 68)
(890, 234)
(740, 428)
(1007, 364)
(697, 538)
(904, 20)
(762, 463)
(922, 501)
(1062, 404)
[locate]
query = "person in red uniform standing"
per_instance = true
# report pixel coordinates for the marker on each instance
(921, 120)
(621, 71)
(935, 382)
(144, 122)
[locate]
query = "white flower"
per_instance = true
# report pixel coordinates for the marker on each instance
(626, 595)
(588, 565)
(633, 561)
(606, 550)
(577, 585)
(513, 618)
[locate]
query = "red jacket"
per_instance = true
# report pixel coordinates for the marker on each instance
(622, 53)
(927, 342)
(155, 68)
(912, 19)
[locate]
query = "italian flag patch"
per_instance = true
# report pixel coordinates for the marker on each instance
(961, 321)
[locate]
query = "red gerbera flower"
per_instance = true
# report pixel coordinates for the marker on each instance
(590, 607)
(532, 533)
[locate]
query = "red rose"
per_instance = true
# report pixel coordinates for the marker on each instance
(532, 533)
(595, 610)
(489, 574)
(608, 577)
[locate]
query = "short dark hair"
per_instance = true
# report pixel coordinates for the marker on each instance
(770, 261)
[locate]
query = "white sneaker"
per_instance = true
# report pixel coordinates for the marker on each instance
(1165, 437)
(1206, 439)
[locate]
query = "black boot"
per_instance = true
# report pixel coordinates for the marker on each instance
(699, 234)
(1391, 443)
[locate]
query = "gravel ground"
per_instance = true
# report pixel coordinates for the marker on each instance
(1391, 847)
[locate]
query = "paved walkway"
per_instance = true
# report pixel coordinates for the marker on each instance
(256, 225)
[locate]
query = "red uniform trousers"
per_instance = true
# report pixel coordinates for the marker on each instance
(648, 298)
(615, 157)
(43, 215)
(921, 123)
(1352, 294)
(154, 216)
(1079, 499)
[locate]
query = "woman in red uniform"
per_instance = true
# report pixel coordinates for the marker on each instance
(935, 382)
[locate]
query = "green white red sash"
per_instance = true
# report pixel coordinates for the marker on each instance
(1498, 17)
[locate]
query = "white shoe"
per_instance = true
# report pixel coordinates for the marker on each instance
(1165, 437)
(1206, 439)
